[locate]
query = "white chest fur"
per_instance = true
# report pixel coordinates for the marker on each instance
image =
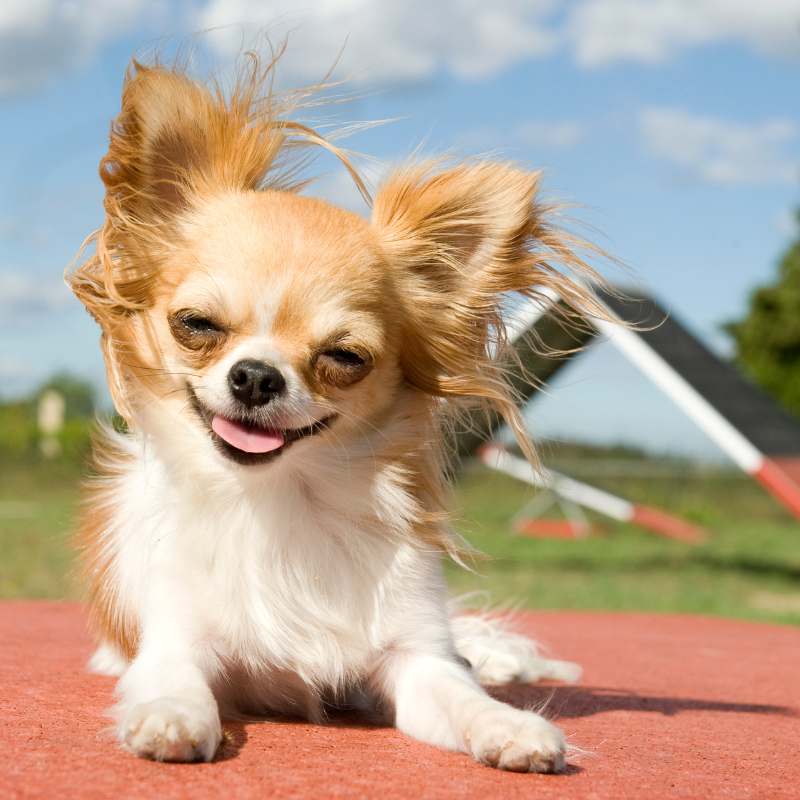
(305, 574)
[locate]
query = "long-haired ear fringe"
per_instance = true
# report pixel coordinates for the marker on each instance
(463, 240)
(175, 139)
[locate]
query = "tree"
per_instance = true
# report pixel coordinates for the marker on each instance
(767, 340)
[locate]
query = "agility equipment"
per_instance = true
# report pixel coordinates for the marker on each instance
(572, 495)
(758, 436)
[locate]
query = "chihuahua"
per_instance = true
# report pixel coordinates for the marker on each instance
(265, 536)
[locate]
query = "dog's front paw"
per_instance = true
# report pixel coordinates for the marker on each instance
(170, 729)
(515, 740)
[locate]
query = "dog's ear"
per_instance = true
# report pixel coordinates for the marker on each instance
(459, 241)
(175, 137)
(448, 226)
(176, 141)
(158, 142)
(159, 152)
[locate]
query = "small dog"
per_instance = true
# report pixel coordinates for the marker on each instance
(267, 534)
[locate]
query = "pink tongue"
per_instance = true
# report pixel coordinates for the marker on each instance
(243, 437)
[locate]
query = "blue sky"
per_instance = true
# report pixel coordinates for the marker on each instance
(673, 124)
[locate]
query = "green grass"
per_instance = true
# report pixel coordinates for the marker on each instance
(749, 567)
(37, 512)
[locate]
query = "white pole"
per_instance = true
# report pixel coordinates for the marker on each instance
(576, 491)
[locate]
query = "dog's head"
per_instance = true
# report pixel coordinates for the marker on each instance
(236, 309)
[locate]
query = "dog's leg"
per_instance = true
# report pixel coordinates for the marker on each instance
(499, 656)
(438, 701)
(166, 709)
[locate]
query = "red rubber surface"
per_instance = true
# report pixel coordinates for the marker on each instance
(670, 706)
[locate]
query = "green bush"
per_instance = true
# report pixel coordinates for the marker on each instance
(75, 438)
(19, 432)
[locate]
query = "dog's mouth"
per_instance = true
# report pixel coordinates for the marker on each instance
(247, 443)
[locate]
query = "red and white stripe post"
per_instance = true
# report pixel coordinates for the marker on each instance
(730, 440)
(583, 494)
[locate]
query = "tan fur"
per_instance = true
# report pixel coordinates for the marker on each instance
(462, 239)
(202, 213)
(110, 622)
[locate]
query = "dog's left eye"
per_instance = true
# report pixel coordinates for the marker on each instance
(194, 330)
(345, 358)
(340, 366)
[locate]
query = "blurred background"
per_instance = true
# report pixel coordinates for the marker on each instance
(672, 125)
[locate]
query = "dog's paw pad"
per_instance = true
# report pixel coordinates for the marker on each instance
(518, 741)
(170, 730)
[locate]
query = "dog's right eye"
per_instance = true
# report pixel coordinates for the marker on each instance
(200, 324)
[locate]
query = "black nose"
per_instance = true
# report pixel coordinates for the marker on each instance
(255, 383)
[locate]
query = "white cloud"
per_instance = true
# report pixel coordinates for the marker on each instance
(474, 38)
(720, 151)
(386, 42)
(23, 296)
(650, 31)
(40, 38)
(383, 42)
(532, 134)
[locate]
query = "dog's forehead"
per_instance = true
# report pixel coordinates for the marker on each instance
(269, 233)
(273, 258)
